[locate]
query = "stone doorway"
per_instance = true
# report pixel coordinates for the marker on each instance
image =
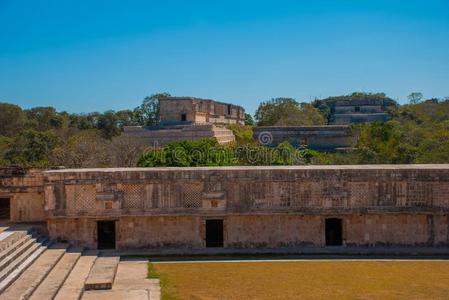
(214, 233)
(5, 209)
(106, 234)
(334, 232)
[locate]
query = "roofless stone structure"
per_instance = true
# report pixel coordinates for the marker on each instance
(190, 118)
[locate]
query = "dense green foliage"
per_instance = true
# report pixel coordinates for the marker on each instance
(287, 112)
(243, 134)
(207, 152)
(42, 137)
(417, 133)
(249, 120)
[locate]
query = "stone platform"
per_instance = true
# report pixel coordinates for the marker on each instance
(162, 135)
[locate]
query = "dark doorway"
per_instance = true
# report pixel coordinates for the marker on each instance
(5, 208)
(106, 234)
(334, 232)
(183, 117)
(214, 233)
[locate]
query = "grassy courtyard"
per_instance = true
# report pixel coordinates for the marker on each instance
(304, 280)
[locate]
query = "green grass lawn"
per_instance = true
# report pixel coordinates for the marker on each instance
(304, 280)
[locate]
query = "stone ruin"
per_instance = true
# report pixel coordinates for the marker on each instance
(188, 118)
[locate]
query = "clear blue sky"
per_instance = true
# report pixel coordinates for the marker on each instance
(83, 56)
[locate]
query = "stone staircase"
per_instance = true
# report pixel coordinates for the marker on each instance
(31, 267)
(223, 135)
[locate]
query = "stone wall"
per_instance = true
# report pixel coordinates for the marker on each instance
(160, 136)
(292, 230)
(327, 138)
(24, 188)
(178, 110)
(260, 206)
(351, 118)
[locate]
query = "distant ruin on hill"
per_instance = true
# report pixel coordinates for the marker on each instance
(190, 118)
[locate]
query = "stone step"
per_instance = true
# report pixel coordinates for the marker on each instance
(10, 237)
(18, 258)
(223, 135)
(15, 251)
(225, 139)
(15, 273)
(30, 279)
(13, 247)
(73, 287)
(102, 274)
(54, 280)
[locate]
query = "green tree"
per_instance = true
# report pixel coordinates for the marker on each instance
(126, 118)
(108, 124)
(249, 119)
(415, 97)
(148, 112)
(46, 118)
(84, 121)
(203, 152)
(31, 148)
(12, 119)
(287, 112)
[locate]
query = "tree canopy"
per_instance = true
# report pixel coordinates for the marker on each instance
(287, 112)
(418, 132)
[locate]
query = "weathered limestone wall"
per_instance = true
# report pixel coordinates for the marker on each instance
(162, 136)
(351, 118)
(80, 232)
(342, 189)
(273, 231)
(196, 110)
(259, 231)
(313, 137)
(260, 206)
(24, 188)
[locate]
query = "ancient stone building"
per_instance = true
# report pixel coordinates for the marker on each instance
(358, 111)
(248, 208)
(190, 110)
(188, 118)
(323, 138)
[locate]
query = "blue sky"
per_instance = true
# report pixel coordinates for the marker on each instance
(83, 56)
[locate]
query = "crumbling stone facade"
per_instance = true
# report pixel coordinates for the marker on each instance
(24, 192)
(255, 207)
(190, 110)
(325, 138)
(358, 111)
(189, 118)
(163, 135)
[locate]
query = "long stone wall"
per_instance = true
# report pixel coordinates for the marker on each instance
(343, 189)
(261, 207)
(329, 138)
